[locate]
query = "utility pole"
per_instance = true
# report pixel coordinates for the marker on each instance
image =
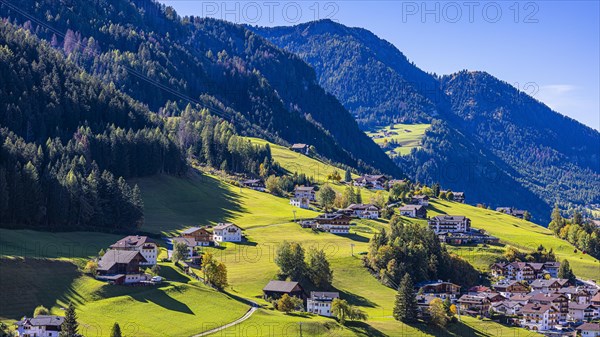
(294, 211)
(352, 249)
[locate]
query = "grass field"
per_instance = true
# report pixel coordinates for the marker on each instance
(183, 307)
(407, 136)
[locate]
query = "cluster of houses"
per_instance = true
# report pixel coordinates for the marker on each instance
(529, 295)
(207, 236)
(122, 263)
(318, 302)
(339, 222)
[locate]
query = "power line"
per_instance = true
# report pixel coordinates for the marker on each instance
(134, 72)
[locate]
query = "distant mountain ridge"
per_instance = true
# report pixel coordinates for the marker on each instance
(538, 155)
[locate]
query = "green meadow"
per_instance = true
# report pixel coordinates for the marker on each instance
(406, 136)
(45, 268)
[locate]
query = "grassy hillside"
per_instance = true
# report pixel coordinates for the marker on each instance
(515, 232)
(407, 137)
(173, 203)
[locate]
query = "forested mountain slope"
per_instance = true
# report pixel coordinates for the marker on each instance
(498, 144)
(143, 47)
(373, 79)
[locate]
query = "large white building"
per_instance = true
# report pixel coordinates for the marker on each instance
(363, 211)
(227, 232)
(39, 326)
(305, 192)
(539, 317)
(320, 302)
(450, 224)
(142, 244)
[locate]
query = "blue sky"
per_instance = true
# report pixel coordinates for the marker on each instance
(550, 49)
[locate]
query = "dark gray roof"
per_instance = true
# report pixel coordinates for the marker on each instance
(190, 230)
(132, 241)
(280, 286)
(410, 207)
(324, 295)
(42, 320)
(113, 256)
(449, 217)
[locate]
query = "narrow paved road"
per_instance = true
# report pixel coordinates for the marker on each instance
(229, 325)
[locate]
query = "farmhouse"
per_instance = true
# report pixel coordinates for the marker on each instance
(520, 271)
(459, 196)
(518, 213)
(589, 330)
(439, 289)
(306, 192)
(227, 232)
(376, 182)
(474, 303)
(201, 236)
(276, 289)
(473, 236)
(254, 184)
(121, 266)
(333, 223)
(422, 200)
(320, 302)
(449, 224)
(363, 211)
(142, 244)
(508, 307)
(413, 211)
(300, 202)
(40, 326)
(301, 148)
(507, 288)
(539, 317)
(189, 242)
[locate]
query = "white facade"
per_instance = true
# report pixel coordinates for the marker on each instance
(40, 326)
(302, 192)
(150, 252)
(320, 303)
(300, 202)
(449, 224)
(336, 229)
(227, 233)
(545, 319)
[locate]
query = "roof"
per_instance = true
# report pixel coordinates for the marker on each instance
(596, 297)
(507, 303)
(225, 225)
(410, 207)
(299, 146)
(419, 196)
(304, 188)
(535, 308)
(42, 320)
(281, 286)
(112, 257)
(191, 230)
(449, 217)
(190, 242)
(132, 241)
(361, 206)
(540, 283)
(370, 177)
(472, 299)
(580, 306)
(324, 295)
(589, 327)
(252, 181)
(479, 289)
(541, 297)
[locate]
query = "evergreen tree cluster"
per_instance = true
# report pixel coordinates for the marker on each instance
(414, 250)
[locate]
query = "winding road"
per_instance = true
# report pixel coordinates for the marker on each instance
(247, 315)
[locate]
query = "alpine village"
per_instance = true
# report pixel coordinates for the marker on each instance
(174, 175)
